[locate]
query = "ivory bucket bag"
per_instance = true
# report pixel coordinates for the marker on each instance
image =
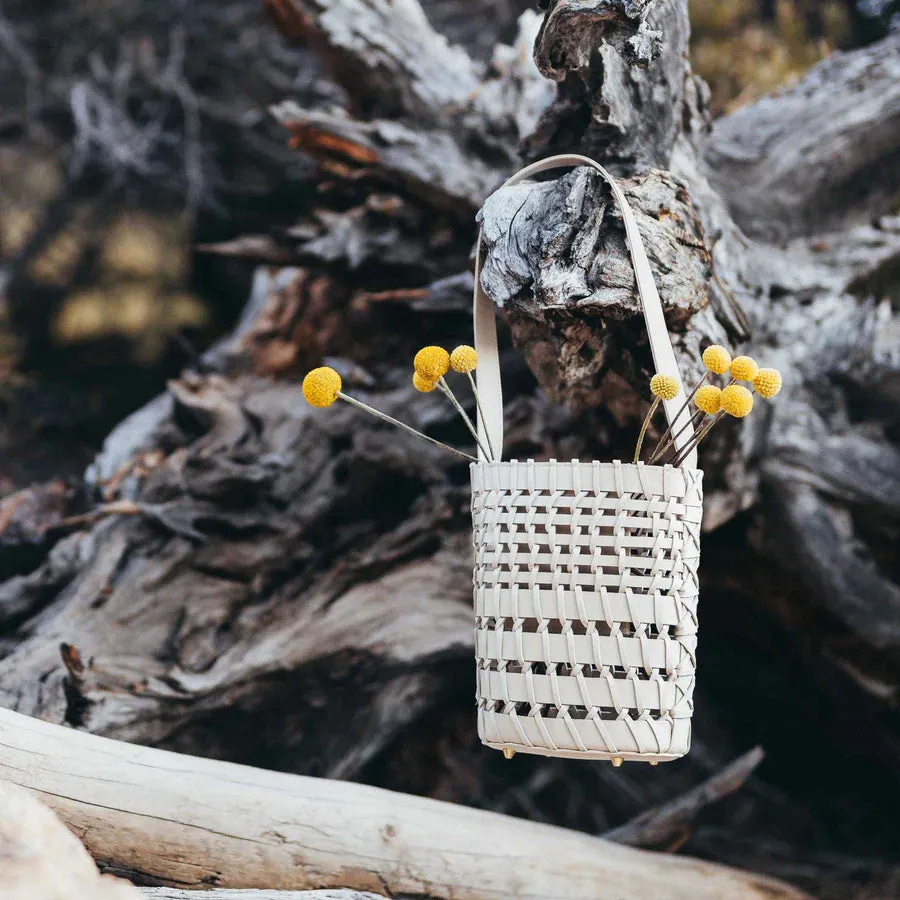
(585, 581)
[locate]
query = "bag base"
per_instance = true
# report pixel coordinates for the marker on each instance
(587, 754)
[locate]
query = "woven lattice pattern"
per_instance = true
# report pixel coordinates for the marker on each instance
(586, 606)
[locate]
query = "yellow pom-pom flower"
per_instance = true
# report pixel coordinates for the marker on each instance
(321, 386)
(767, 383)
(432, 363)
(423, 384)
(744, 368)
(709, 399)
(665, 387)
(736, 400)
(717, 359)
(463, 359)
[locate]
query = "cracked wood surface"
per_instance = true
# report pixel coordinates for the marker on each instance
(177, 894)
(40, 859)
(188, 822)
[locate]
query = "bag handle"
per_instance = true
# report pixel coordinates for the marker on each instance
(488, 372)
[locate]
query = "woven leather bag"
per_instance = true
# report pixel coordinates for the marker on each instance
(585, 581)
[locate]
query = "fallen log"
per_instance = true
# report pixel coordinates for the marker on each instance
(40, 859)
(183, 821)
(178, 894)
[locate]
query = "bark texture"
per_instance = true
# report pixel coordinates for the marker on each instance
(42, 859)
(177, 821)
(250, 894)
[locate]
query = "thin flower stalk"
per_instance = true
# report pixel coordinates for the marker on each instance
(735, 401)
(442, 384)
(644, 427)
(403, 426)
(464, 359)
(708, 400)
(481, 416)
(666, 436)
(701, 433)
(666, 443)
(663, 387)
(717, 361)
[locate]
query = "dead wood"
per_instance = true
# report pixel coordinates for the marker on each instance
(668, 827)
(177, 894)
(40, 859)
(183, 821)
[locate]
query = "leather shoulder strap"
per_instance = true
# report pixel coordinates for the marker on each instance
(488, 373)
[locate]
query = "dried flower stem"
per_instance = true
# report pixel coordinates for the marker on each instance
(698, 436)
(442, 384)
(647, 418)
(664, 446)
(666, 436)
(403, 426)
(701, 433)
(481, 415)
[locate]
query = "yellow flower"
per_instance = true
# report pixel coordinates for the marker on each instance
(744, 368)
(321, 386)
(737, 401)
(423, 384)
(767, 383)
(665, 387)
(717, 359)
(463, 359)
(709, 399)
(432, 363)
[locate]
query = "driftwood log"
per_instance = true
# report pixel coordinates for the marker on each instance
(241, 577)
(182, 821)
(250, 894)
(40, 859)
